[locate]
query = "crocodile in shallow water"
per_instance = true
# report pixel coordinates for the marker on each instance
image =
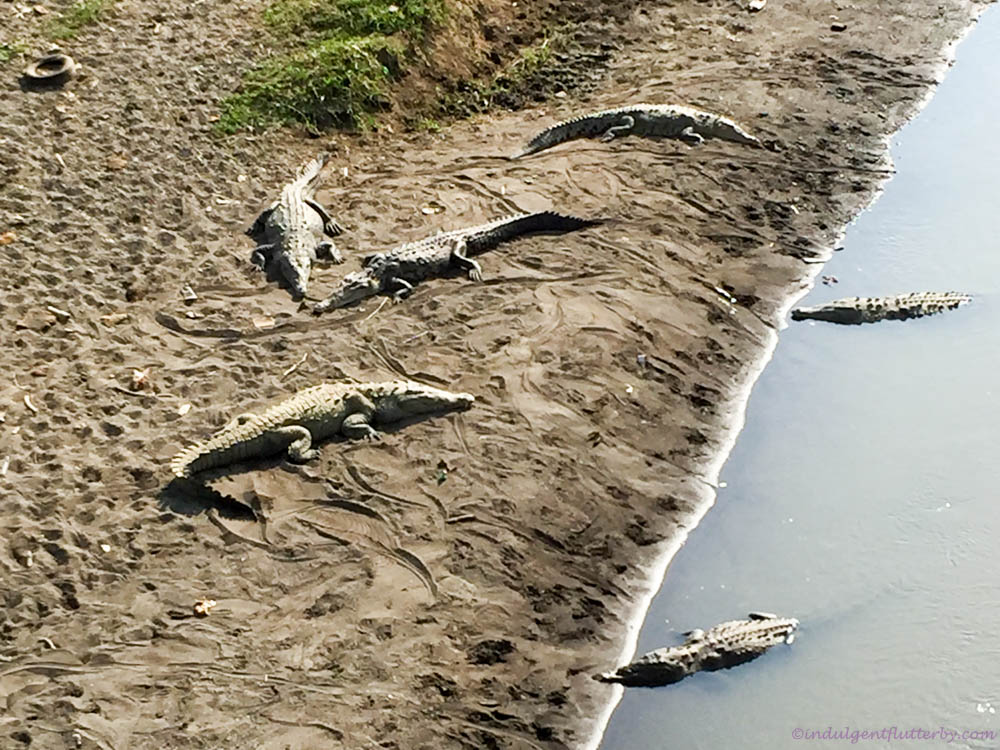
(856, 310)
(650, 120)
(293, 425)
(723, 646)
(397, 270)
(291, 232)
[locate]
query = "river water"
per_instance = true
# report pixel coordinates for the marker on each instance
(862, 494)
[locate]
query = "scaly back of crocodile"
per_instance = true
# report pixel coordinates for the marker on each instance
(307, 181)
(321, 410)
(725, 645)
(483, 237)
(250, 435)
(583, 126)
(736, 635)
(654, 120)
(856, 310)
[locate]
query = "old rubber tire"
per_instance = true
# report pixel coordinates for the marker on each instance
(50, 69)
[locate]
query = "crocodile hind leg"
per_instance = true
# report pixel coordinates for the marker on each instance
(624, 127)
(300, 448)
(357, 424)
(330, 227)
(461, 260)
(258, 225)
(689, 136)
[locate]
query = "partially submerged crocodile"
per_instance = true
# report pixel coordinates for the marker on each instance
(856, 310)
(397, 270)
(725, 645)
(291, 231)
(650, 120)
(293, 425)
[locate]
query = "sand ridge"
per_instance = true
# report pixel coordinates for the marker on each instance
(573, 468)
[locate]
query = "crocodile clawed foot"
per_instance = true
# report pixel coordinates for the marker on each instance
(329, 252)
(304, 456)
(690, 137)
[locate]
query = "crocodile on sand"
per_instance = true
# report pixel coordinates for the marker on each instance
(651, 120)
(397, 270)
(325, 410)
(856, 310)
(725, 645)
(291, 231)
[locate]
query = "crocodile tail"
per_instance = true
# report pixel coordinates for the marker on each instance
(180, 465)
(309, 175)
(542, 222)
(587, 126)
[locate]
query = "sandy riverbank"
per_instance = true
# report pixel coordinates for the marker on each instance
(567, 485)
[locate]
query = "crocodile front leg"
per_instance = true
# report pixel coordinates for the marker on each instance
(461, 260)
(689, 136)
(357, 424)
(624, 127)
(330, 227)
(328, 251)
(261, 255)
(403, 290)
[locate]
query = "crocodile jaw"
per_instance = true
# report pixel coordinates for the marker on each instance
(831, 313)
(354, 287)
(416, 400)
(295, 272)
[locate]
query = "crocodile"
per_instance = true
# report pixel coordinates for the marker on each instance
(397, 270)
(291, 231)
(318, 412)
(651, 120)
(857, 310)
(725, 645)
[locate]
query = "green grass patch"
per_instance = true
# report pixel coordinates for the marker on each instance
(344, 56)
(344, 18)
(332, 82)
(9, 49)
(80, 14)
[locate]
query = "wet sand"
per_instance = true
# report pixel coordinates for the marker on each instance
(543, 514)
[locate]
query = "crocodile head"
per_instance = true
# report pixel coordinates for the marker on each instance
(839, 311)
(405, 399)
(295, 272)
(354, 287)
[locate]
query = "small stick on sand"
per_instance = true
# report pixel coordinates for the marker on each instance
(27, 402)
(296, 366)
(375, 312)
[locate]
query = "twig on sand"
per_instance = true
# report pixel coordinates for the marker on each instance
(296, 366)
(375, 312)
(27, 402)
(127, 392)
(318, 724)
(415, 337)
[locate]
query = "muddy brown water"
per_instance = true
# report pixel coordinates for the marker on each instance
(861, 496)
